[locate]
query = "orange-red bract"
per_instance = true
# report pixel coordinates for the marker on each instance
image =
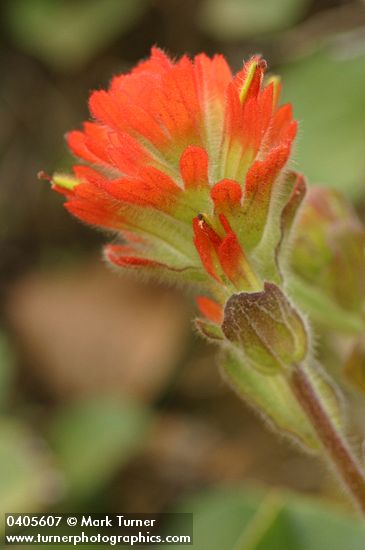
(182, 161)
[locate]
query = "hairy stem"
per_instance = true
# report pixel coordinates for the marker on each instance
(335, 445)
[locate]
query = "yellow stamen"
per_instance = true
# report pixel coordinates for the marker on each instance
(248, 80)
(65, 180)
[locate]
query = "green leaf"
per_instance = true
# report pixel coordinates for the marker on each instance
(235, 19)
(67, 34)
(219, 516)
(268, 525)
(93, 438)
(271, 397)
(327, 92)
(322, 309)
(317, 526)
(25, 480)
(246, 519)
(284, 522)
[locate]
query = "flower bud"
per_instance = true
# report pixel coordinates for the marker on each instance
(267, 328)
(328, 259)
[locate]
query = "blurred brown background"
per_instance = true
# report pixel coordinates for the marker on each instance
(108, 399)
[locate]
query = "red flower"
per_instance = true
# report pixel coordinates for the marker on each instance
(186, 160)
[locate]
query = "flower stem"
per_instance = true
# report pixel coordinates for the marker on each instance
(337, 449)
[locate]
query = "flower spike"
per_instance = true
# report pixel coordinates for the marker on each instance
(171, 140)
(189, 167)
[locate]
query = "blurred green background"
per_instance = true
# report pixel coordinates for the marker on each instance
(108, 401)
